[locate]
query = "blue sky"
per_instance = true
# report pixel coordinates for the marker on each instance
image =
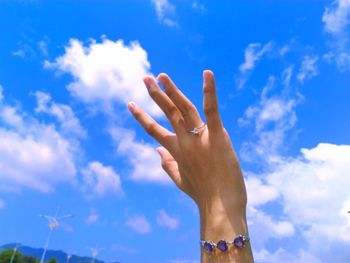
(67, 70)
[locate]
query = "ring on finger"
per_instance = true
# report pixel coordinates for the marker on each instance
(197, 130)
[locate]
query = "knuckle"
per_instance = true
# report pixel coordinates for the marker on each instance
(171, 111)
(210, 110)
(170, 92)
(150, 128)
(153, 92)
(208, 89)
(165, 165)
(137, 114)
(190, 109)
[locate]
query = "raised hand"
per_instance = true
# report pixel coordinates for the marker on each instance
(200, 159)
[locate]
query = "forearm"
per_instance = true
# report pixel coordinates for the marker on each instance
(219, 222)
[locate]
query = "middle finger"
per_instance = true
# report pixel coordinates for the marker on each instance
(167, 106)
(187, 109)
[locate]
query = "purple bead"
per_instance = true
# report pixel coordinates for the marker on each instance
(239, 242)
(222, 245)
(208, 246)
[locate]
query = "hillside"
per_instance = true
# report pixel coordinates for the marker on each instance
(60, 256)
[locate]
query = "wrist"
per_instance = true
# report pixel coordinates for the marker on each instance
(222, 221)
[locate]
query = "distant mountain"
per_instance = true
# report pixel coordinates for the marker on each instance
(60, 256)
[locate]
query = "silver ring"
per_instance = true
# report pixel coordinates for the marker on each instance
(196, 130)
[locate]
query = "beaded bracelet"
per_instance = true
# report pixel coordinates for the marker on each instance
(222, 245)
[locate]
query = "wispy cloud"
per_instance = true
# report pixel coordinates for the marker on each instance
(308, 68)
(142, 156)
(272, 117)
(165, 11)
(196, 5)
(252, 54)
(336, 20)
(100, 180)
(69, 123)
(165, 220)
(139, 224)
(93, 217)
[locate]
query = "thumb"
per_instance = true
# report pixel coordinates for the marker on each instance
(170, 165)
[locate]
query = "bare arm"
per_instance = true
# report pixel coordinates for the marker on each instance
(202, 165)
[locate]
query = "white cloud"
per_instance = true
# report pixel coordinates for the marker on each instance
(70, 124)
(263, 226)
(336, 23)
(285, 256)
(165, 10)
(314, 194)
(107, 73)
(142, 156)
(139, 224)
(286, 76)
(336, 18)
(165, 220)
(315, 191)
(272, 117)
(93, 217)
(2, 203)
(32, 154)
(308, 68)
(252, 54)
(12, 117)
(100, 180)
(259, 192)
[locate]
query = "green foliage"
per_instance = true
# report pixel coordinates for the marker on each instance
(6, 255)
(30, 259)
(52, 260)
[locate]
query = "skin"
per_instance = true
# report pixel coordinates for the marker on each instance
(204, 166)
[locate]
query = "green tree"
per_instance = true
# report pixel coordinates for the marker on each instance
(30, 259)
(5, 256)
(52, 260)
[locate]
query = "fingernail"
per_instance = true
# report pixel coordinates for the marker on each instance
(147, 82)
(206, 75)
(160, 76)
(159, 150)
(131, 107)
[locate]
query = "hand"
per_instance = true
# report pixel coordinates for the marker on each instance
(202, 165)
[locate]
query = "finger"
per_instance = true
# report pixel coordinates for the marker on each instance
(158, 132)
(210, 103)
(187, 109)
(170, 166)
(168, 107)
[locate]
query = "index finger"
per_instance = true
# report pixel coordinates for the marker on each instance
(158, 132)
